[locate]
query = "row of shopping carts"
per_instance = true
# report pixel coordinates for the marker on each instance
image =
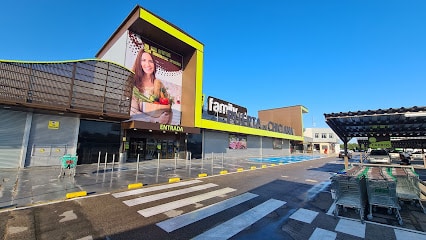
(375, 187)
(407, 186)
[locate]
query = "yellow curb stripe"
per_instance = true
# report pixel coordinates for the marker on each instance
(76, 194)
(223, 172)
(240, 169)
(273, 164)
(202, 175)
(264, 166)
(252, 167)
(173, 180)
(134, 185)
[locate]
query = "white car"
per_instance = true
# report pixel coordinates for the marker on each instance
(379, 156)
(417, 155)
(394, 154)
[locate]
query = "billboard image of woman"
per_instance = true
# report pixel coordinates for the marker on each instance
(157, 83)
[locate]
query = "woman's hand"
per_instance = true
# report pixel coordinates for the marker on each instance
(135, 107)
(164, 118)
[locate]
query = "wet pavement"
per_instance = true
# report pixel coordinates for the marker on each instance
(39, 185)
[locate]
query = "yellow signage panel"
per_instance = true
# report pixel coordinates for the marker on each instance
(53, 125)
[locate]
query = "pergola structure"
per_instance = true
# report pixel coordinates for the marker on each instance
(406, 125)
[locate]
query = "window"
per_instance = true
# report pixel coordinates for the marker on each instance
(323, 135)
(316, 135)
(330, 135)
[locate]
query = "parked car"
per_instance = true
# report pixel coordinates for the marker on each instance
(379, 156)
(417, 155)
(405, 158)
(394, 154)
(342, 154)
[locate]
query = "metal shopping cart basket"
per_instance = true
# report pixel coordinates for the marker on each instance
(68, 162)
(407, 186)
(350, 191)
(381, 191)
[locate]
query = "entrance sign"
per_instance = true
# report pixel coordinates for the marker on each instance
(171, 128)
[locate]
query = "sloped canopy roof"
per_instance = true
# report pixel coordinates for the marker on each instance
(392, 122)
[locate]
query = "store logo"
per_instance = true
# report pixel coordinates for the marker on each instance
(247, 121)
(220, 108)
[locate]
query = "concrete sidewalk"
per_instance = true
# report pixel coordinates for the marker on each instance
(35, 185)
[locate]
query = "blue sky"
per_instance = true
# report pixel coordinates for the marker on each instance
(329, 56)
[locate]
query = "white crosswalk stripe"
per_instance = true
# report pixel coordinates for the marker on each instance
(174, 193)
(152, 189)
(235, 225)
(148, 212)
(194, 216)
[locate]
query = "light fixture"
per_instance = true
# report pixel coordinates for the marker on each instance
(135, 129)
(150, 130)
(164, 131)
(415, 114)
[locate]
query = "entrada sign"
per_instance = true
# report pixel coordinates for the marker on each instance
(171, 128)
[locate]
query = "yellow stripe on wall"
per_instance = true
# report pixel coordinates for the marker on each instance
(147, 16)
(209, 124)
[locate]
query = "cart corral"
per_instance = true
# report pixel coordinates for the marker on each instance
(368, 189)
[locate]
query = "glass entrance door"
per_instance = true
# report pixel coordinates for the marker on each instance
(137, 147)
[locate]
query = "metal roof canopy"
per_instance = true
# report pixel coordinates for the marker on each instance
(393, 122)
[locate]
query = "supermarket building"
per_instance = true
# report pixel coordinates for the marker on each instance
(94, 106)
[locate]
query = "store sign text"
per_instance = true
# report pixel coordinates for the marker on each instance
(171, 128)
(220, 108)
(243, 120)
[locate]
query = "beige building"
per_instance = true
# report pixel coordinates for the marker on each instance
(321, 140)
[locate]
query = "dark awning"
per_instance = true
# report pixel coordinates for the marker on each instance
(393, 122)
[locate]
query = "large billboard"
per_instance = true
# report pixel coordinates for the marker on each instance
(157, 87)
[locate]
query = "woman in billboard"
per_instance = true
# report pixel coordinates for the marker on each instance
(150, 100)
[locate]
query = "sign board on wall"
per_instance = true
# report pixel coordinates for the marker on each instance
(379, 142)
(237, 141)
(220, 108)
(157, 87)
(53, 125)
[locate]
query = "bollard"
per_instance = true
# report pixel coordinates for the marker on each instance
(158, 167)
(99, 162)
(222, 160)
(137, 165)
(106, 157)
(175, 162)
(202, 164)
(113, 161)
(212, 167)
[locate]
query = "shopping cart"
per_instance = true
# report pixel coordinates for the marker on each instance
(407, 186)
(350, 192)
(381, 191)
(68, 162)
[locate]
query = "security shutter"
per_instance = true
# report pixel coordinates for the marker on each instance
(12, 128)
(52, 136)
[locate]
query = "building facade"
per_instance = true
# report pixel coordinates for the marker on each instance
(321, 140)
(141, 97)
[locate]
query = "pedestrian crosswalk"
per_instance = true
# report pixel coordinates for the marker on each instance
(156, 200)
(225, 230)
